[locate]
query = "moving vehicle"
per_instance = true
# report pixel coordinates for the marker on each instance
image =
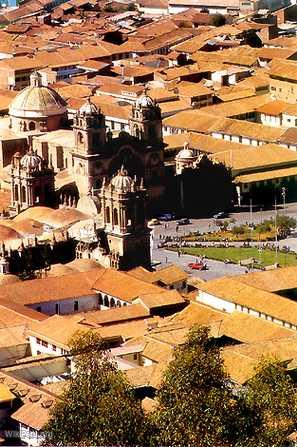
(153, 222)
(198, 266)
(184, 221)
(221, 215)
(167, 216)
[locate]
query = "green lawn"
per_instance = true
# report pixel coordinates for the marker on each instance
(236, 254)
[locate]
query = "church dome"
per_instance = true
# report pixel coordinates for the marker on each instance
(122, 182)
(144, 101)
(89, 108)
(30, 161)
(186, 153)
(37, 100)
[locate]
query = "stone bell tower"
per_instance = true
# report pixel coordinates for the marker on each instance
(123, 213)
(146, 122)
(89, 129)
(32, 182)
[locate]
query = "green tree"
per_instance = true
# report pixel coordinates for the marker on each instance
(98, 406)
(194, 399)
(266, 409)
(284, 225)
(218, 20)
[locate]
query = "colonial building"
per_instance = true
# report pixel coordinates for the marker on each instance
(84, 153)
(32, 182)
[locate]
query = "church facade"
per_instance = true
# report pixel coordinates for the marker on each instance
(112, 179)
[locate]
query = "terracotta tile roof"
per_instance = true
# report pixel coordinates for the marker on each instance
(250, 158)
(272, 281)
(266, 175)
(59, 329)
(282, 69)
(146, 376)
(239, 106)
(191, 120)
(289, 136)
(199, 142)
(247, 129)
(51, 289)
(161, 299)
(238, 366)
(33, 415)
(116, 315)
(258, 300)
(123, 286)
(273, 108)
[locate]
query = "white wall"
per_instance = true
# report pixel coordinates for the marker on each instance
(217, 303)
(67, 306)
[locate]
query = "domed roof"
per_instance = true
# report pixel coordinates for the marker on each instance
(89, 108)
(6, 279)
(7, 233)
(145, 101)
(122, 182)
(37, 100)
(38, 213)
(30, 161)
(186, 153)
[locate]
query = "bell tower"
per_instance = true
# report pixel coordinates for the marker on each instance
(89, 129)
(123, 213)
(146, 122)
(32, 182)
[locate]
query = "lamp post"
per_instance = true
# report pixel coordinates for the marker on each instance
(283, 193)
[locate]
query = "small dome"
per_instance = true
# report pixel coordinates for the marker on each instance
(89, 108)
(186, 153)
(122, 182)
(37, 101)
(30, 161)
(145, 101)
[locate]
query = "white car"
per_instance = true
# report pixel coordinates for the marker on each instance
(153, 222)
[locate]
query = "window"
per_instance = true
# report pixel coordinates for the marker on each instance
(38, 308)
(115, 217)
(31, 125)
(38, 341)
(54, 348)
(57, 308)
(135, 356)
(75, 307)
(44, 343)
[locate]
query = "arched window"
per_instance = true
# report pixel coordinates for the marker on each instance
(115, 217)
(107, 214)
(112, 302)
(32, 125)
(80, 138)
(16, 192)
(119, 304)
(100, 299)
(23, 194)
(106, 302)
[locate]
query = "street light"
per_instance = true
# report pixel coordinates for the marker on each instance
(283, 193)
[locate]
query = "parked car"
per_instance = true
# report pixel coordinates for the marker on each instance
(184, 221)
(153, 222)
(220, 215)
(167, 216)
(198, 266)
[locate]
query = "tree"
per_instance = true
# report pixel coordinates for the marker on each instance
(194, 399)
(218, 20)
(284, 225)
(98, 406)
(266, 409)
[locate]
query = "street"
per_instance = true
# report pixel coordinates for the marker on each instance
(162, 256)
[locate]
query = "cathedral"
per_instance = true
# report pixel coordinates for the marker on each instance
(82, 153)
(109, 180)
